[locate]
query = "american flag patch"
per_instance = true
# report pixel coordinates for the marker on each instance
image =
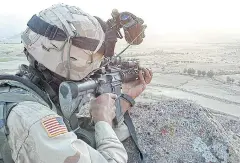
(54, 126)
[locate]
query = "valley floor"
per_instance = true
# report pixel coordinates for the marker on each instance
(168, 64)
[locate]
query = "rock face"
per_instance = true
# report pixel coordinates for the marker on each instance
(177, 131)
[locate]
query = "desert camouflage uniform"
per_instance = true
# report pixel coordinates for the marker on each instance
(32, 141)
(37, 133)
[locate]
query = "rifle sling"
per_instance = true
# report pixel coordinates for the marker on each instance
(131, 128)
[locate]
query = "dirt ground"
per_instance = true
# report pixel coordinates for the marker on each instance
(181, 117)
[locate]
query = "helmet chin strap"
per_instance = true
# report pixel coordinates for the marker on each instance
(68, 57)
(41, 77)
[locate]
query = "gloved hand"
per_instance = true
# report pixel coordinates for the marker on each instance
(103, 108)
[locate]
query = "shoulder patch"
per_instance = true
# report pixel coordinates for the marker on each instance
(54, 126)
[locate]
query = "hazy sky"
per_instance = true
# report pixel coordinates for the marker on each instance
(161, 16)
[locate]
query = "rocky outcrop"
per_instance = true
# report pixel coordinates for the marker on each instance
(173, 130)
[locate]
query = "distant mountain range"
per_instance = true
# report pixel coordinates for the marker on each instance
(15, 39)
(11, 25)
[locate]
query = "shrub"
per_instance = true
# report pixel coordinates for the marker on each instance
(163, 68)
(199, 73)
(210, 73)
(228, 79)
(203, 73)
(185, 70)
(193, 71)
(189, 71)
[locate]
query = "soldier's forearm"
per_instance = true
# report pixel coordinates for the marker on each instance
(108, 143)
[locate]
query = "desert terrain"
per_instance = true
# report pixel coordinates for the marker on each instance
(182, 116)
(178, 105)
(169, 60)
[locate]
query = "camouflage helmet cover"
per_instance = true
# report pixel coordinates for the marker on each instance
(63, 57)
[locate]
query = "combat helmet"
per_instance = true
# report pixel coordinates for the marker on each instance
(65, 40)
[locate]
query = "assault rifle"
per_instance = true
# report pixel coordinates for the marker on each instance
(107, 79)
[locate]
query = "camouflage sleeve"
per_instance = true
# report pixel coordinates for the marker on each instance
(122, 131)
(37, 134)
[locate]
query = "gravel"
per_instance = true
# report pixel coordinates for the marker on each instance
(178, 131)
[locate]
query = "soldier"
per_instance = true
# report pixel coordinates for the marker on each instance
(61, 43)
